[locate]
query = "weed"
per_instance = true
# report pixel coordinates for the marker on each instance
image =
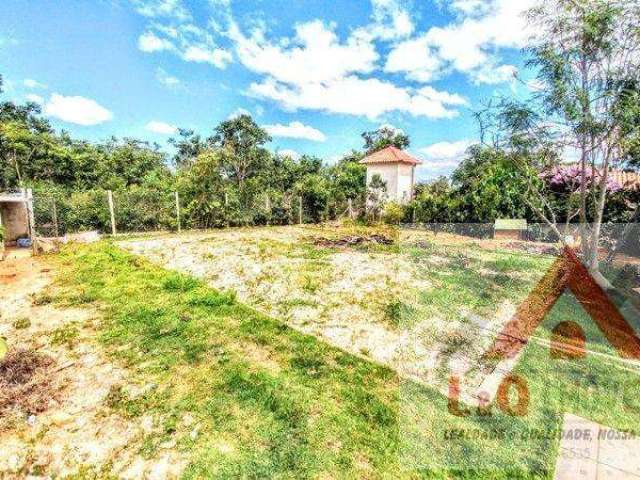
(310, 284)
(393, 312)
(213, 299)
(180, 283)
(40, 299)
(21, 323)
(66, 335)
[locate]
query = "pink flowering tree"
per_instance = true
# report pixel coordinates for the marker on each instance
(587, 58)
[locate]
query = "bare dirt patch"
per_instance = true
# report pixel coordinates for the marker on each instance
(54, 420)
(27, 383)
(353, 240)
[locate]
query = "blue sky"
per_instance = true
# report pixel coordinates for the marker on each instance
(315, 73)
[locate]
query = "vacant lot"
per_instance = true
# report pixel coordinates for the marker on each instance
(188, 380)
(424, 305)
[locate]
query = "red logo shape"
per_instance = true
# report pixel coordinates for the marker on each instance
(566, 272)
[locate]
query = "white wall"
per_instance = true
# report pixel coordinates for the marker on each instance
(405, 182)
(397, 176)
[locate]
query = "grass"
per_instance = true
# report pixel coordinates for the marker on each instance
(273, 403)
(322, 412)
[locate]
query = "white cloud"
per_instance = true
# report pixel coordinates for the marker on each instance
(32, 97)
(491, 74)
(295, 130)
(417, 59)
(78, 110)
(289, 153)
(165, 79)
(217, 56)
(161, 8)
(238, 112)
(390, 21)
(161, 128)
(441, 158)
(31, 83)
(150, 42)
(393, 128)
(355, 96)
(468, 44)
(536, 85)
(314, 55)
(190, 42)
(446, 150)
(471, 7)
(316, 70)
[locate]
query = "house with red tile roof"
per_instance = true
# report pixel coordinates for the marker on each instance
(396, 168)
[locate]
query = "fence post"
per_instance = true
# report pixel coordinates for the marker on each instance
(350, 208)
(178, 211)
(267, 206)
(32, 219)
(300, 210)
(111, 212)
(54, 215)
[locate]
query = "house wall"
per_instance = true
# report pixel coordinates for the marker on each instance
(405, 183)
(398, 177)
(389, 174)
(15, 220)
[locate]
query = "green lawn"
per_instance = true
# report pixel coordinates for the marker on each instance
(273, 403)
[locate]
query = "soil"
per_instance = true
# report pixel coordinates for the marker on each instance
(27, 383)
(352, 240)
(54, 420)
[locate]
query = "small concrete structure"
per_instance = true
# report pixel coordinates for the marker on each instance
(397, 170)
(16, 216)
(507, 229)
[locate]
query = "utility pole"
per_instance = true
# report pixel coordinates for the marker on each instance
(32, 219)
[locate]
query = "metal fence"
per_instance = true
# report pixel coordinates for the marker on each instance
(143, 210)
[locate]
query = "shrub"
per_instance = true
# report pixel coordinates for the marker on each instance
(393, 213)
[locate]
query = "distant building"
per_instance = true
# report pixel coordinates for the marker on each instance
(397, 170)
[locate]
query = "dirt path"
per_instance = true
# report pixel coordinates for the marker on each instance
(71, 430)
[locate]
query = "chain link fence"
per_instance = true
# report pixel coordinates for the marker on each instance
(144, 210)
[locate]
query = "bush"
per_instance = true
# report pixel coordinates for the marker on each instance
(393, 213)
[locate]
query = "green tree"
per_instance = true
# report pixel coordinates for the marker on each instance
(376, 197)
(242, 143)
(188, 146)
(490, 184)
(383, 137)
(587, 55)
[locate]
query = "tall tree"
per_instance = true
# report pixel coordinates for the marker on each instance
(242, 142)
(587, 55)
(383, 137)
(188, 146)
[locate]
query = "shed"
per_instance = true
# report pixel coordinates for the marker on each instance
(513, 229)
(16, 215)
(396, 168)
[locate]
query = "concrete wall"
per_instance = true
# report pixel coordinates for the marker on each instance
(398, 177)
(15, 220)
